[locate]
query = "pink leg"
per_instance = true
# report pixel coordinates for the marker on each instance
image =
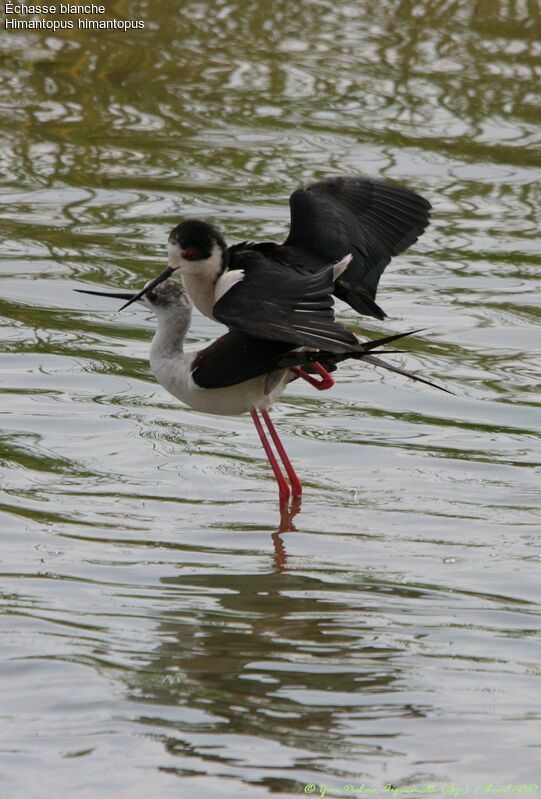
(321, 385)
(296, 484)
(283, 487)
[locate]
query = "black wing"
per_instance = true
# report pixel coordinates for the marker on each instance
(369, 218)
(234, 358)
(273, 302)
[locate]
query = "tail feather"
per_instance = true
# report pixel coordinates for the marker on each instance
(373, 359)
(300, 358)
(341, 266)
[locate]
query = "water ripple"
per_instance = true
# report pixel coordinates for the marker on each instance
(144, 564)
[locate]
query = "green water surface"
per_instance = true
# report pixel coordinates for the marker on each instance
(164, 633)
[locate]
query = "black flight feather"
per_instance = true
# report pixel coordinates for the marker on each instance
(273, 302)
(367, 217)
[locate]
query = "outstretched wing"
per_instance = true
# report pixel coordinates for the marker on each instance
(367, 217)
(264, 299)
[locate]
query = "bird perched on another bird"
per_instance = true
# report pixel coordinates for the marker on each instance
(277, 301)
(254, 287)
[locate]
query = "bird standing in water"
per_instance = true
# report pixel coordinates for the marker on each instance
(277, 301)
(236, 373)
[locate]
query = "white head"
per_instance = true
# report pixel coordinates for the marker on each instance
(196, 248)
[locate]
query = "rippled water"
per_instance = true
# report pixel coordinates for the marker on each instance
(160, 634)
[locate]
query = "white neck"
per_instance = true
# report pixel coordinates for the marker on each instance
(200, 290)
(199, 277)
(169, 337)
(169, 363)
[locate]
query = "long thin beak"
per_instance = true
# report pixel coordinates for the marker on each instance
(121, 295)
(153, 283)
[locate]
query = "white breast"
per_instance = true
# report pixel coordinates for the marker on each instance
(199, 277)
(174, 374)
(205, 293)
(226, 282)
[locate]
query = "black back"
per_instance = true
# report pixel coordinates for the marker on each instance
(270, 301)
(234, 358)
(367, 217)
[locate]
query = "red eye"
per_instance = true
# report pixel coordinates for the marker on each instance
(189, 255)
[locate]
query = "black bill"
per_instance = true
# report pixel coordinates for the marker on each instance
(119, 295)
(153, 283)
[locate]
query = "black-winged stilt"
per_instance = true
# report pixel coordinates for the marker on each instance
(277, 301)
(367, 218)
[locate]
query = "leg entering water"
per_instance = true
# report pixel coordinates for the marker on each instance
(283, 487)
(296, 484)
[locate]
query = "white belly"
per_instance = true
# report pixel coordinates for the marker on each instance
(241, 398)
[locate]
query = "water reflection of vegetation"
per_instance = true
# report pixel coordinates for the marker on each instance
(220, 111)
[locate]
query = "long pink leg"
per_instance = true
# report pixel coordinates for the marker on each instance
(283, 487)
(296, 484)
(321, 385)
